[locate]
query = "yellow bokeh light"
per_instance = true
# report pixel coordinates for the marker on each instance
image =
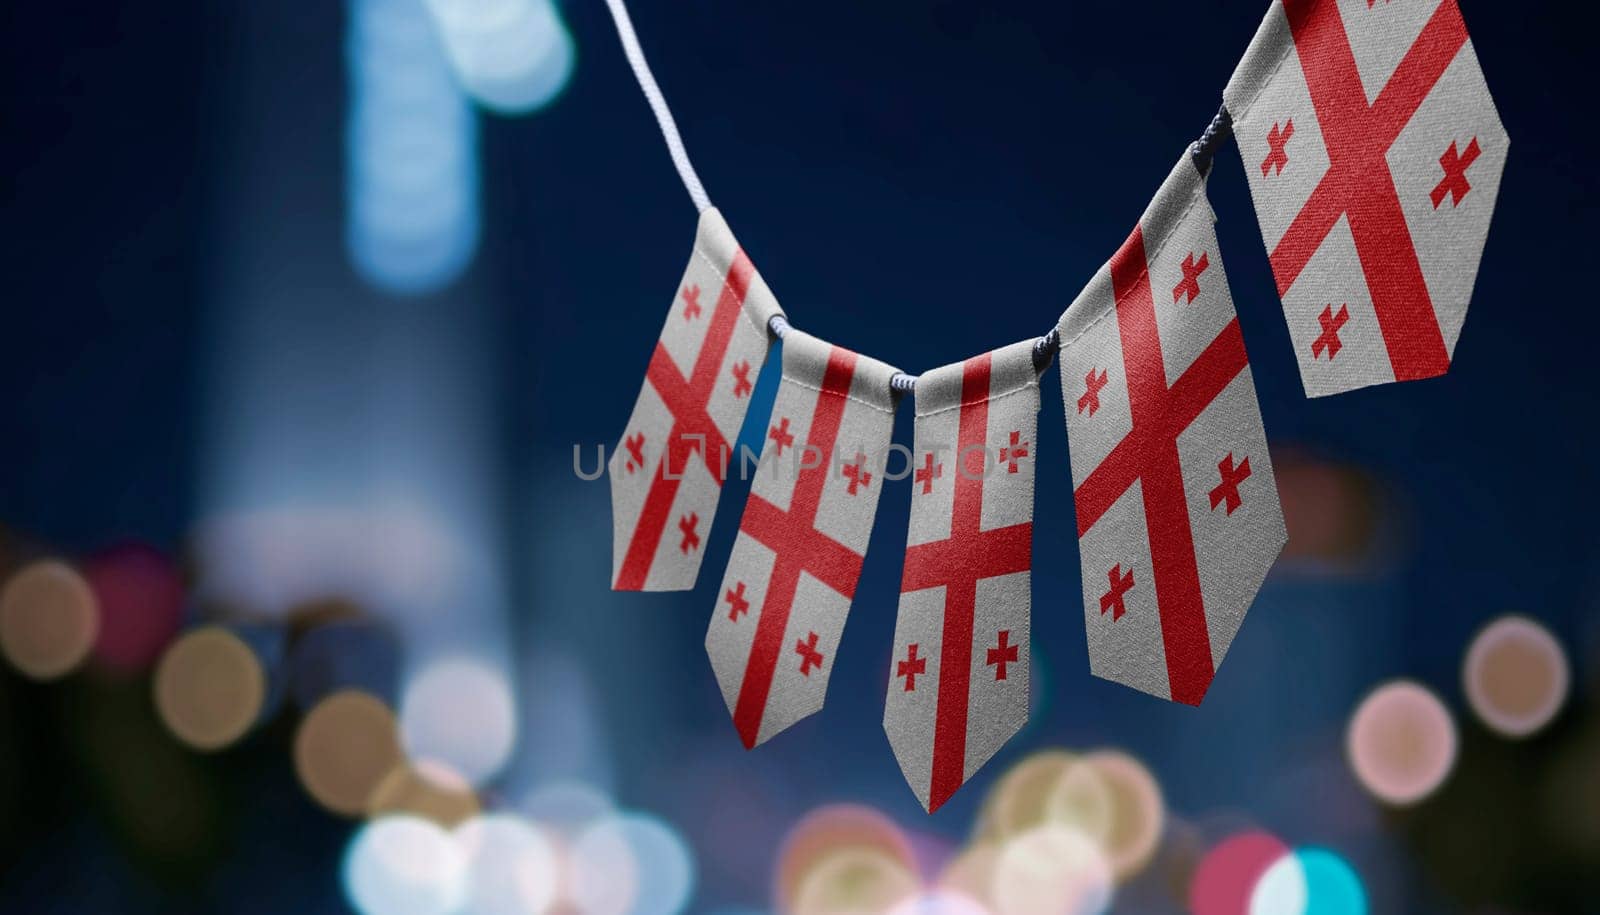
(428, 789)
(831, 829)
(855, 881)
(972, 871)
(1021, 798)
(345, 747)
(1082, 800)
(48, 619)
(1051, 870)
(1138, 813)
(209, 688)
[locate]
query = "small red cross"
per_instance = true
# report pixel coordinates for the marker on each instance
(1228, 490)
(635, 446)
(1010, 453)
(1091, 396)
(928, 472)
(691, 302)
(856, 473)
(1121, 583)
(1002, 654)
(1190, 284)
(809, 656)
(1454, 184)
(737, 603)
(741, 379)
(1329, 338)
(911, 666)
(687, 524)
(1277, 139)
(781, 436)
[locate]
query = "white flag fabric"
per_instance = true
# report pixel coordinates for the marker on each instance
(958, 680)
(1374, 152)
(789, 583)
(1178, 514)
(667, 472)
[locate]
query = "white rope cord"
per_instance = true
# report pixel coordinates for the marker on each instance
(658, 104)
(1201, 152)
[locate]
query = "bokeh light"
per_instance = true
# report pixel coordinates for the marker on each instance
(1051, 870)
(344, 748)
(1226, 879)
(1332, 513)
(1021, 799)
(1516, 676)
(1177, 859)
(400, 865)
(48, 619)
(650, 854)
(210, 688)
(971, 872)
(666, 865)
(426, 788)
(566, 806)
(940, 902)
(1401, 743)
(1311, 881)
(603, 870)
(411, 152)
(853, 880)
(512, 867)
(1082, 799)
(459, 711)
(832, 829)
(1137, 812)
(141, 594)
(1282, 889)
(511, 56)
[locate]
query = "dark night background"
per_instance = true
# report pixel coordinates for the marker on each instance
(916, 181)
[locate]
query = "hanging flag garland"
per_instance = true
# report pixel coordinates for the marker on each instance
(1373, 153)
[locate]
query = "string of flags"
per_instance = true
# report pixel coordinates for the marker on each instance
(1373, 153)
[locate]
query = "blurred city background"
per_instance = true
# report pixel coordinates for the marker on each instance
(303, 608)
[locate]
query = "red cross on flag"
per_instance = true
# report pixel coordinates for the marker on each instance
(1373, 152)
(696, 390)
(958, 681)
(782, 604)
(1178, 516)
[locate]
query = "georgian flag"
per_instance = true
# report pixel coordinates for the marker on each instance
(1374, 152)
(1178, 517)
(958, 680)
(783, 600)
(695, 394)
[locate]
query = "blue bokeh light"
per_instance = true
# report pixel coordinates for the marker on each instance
(1332, 886)
(665, 865)
(511, 56)
(404, 865)
(412, 195)
(1309, 881)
